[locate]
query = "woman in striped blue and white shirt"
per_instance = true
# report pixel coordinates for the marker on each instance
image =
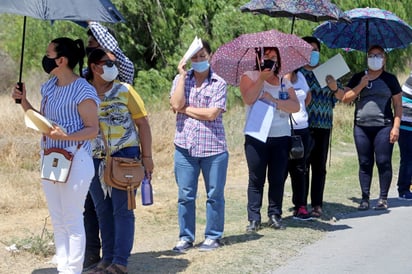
(70, 102)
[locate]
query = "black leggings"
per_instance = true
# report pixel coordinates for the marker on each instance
(371, 143)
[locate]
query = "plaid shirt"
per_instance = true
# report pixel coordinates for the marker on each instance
(107, 41)
(202, 138)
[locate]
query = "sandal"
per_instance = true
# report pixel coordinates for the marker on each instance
(316, 212)
(381, 205)
(364, 205)
(115, 269)
(99, 268)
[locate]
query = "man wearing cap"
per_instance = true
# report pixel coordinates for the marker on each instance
(405, 144)
(100, 36)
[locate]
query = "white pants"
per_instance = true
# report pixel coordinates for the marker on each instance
(66, 205)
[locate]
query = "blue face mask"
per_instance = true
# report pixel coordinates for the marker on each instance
(314, 58)
(200, 66)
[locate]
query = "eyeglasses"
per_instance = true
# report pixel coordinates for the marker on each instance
(377, 55)
(108, 63)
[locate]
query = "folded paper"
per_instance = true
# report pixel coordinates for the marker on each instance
(259, 120)
(335, 66)
(194, 47)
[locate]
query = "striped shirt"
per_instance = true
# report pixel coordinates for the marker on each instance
(202, 138)
(406, 121)
(107, 41)
(60, 104)
(118, 109)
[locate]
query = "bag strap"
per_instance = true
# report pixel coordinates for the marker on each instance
(292, 120)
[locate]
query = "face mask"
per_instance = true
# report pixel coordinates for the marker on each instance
(109, 73)
(375, 63)
(89, 50)
(49, 64)
(269, 64)
(200, 66)
(314, 58)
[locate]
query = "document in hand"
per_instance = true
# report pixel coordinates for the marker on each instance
(38, 122)
(335, 66)
(259, 120)
(194, 47)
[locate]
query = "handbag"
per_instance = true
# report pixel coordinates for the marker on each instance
(124, 174)
(297, 151)
(56, 164)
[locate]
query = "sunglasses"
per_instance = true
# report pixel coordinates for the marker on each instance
(378, 55)
(108, 63)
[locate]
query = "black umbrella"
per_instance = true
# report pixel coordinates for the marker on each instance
(73, 10)
(312, 10)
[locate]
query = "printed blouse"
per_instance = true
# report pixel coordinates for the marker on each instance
(118, 109)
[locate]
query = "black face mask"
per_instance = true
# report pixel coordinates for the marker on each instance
(268, 64)
(49, 64)
(89, 50)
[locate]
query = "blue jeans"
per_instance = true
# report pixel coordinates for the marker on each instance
(116, 222)
(371, 143)
(187, 170)
(405, 167)
(273, 157)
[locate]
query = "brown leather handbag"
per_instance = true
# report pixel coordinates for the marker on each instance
(124, 174)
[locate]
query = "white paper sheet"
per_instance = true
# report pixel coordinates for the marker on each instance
(335, 66)
(194, 47)
(259, 120)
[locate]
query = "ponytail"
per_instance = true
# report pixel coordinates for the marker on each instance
(81, 53)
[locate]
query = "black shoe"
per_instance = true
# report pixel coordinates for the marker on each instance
(253, 226)
(275, 221)
(210, 244)
(182, 246)
(90, 261)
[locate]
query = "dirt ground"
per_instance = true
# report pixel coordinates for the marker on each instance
(156, 232)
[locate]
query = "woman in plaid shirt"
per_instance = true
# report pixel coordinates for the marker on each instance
(198, 96)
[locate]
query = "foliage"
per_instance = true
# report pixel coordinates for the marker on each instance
(157, 33)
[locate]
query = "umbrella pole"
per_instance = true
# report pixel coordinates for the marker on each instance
(367, 41)
(293, 23)
(20, 84)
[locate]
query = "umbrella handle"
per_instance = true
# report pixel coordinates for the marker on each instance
(20, 87)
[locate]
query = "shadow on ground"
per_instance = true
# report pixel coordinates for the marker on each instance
(333, 212)
(50, 270)
(170, 262)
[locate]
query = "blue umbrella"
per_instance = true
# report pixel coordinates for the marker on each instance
(312, 10)
(369, 26)
(73, 10)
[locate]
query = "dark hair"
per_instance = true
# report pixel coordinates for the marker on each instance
(376, 47)
(73, 50)
(259, 54)
(206, 46)
(95, 56)
(311, 39)
(90, 33)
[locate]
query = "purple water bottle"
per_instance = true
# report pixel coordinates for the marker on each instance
(146, 191)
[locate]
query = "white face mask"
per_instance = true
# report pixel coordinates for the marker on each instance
(109, 73)
(375, 63)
